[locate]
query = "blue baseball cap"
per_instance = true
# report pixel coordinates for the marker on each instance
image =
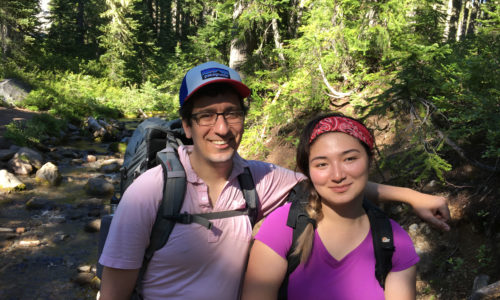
(207, 73)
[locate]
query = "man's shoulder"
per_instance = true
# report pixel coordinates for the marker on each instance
(150, 180)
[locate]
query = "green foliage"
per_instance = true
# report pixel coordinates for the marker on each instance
(75, 97)
(33, 131)
(484, 257)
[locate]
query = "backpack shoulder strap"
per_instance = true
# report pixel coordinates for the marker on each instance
(247, 186)
(174, 189)
(383, 240)
(298, 220)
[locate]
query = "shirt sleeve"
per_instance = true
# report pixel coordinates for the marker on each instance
(275, 233)
(405, 255)
(132, 222)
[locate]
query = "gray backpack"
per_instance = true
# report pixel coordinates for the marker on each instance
(154, 142)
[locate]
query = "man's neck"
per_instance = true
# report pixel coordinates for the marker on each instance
(214, 175)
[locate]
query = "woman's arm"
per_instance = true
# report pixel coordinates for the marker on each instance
(265, 273)
(401, 285)
(432, 209)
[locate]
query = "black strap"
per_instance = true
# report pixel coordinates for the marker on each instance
(174, 189)
(298, 220)
(383, 240)
(247, 186)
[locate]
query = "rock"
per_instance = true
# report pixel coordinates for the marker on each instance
(6, 230)
(431, 187)
(491, 291)
(25, 160)
(69, 153)
(91, 158)
(90, 203)
(111, 168)
(6, 154)
(93, 226)
(83, 278)
(29, 243)
(13, 90)
(19, 166)
(60, 237)
(99, 187)
(20, 230)
(413, 229)
(72, 127)
(84, 269)
(480, 281)
(10, 182)
(48, 174)
(36, 203)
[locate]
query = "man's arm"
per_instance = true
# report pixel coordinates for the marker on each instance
(432, 209)
(117, 284)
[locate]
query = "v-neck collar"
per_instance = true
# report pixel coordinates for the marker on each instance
(332, 260)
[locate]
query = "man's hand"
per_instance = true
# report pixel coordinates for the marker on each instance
(433, 209)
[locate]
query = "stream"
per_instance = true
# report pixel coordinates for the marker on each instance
(49, 235)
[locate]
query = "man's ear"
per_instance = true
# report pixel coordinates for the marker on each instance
(187, 128)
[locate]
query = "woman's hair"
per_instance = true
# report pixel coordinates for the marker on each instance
(211, 90)
(313, 208)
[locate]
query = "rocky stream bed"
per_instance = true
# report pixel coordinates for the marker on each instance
(49, 219)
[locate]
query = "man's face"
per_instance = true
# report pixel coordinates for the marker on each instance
(215, 144)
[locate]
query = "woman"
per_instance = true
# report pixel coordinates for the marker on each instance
(337, 258)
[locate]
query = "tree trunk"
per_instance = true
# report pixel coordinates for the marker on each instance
(447, 25)
(277, 40)
(3, 40)
(80, 23)
(469, 27)
(238, 53)
(460, 23)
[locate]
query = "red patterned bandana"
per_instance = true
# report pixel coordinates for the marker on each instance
(345, 125)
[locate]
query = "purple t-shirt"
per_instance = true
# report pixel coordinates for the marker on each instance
(324, 277)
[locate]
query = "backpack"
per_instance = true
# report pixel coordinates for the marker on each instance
(154, 142)
(380, 225)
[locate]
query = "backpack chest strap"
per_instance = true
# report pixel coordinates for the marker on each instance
(204, 219)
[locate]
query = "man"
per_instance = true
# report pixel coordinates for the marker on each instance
(196, 262)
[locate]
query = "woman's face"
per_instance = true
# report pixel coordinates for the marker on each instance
(338, 167)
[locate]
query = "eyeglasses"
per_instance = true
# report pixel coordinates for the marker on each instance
(210, 118)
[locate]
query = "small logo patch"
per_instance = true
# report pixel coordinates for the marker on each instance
(214, 72)
(386, 239)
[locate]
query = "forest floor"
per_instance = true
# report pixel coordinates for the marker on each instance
(450, 261)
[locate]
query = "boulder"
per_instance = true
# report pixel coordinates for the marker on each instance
(9, 181)
(48, 174)
(39, 203)
(99, 187)
(13, 90)
(6, 154)
(25, 161)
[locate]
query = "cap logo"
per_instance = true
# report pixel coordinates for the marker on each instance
(214, 72)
